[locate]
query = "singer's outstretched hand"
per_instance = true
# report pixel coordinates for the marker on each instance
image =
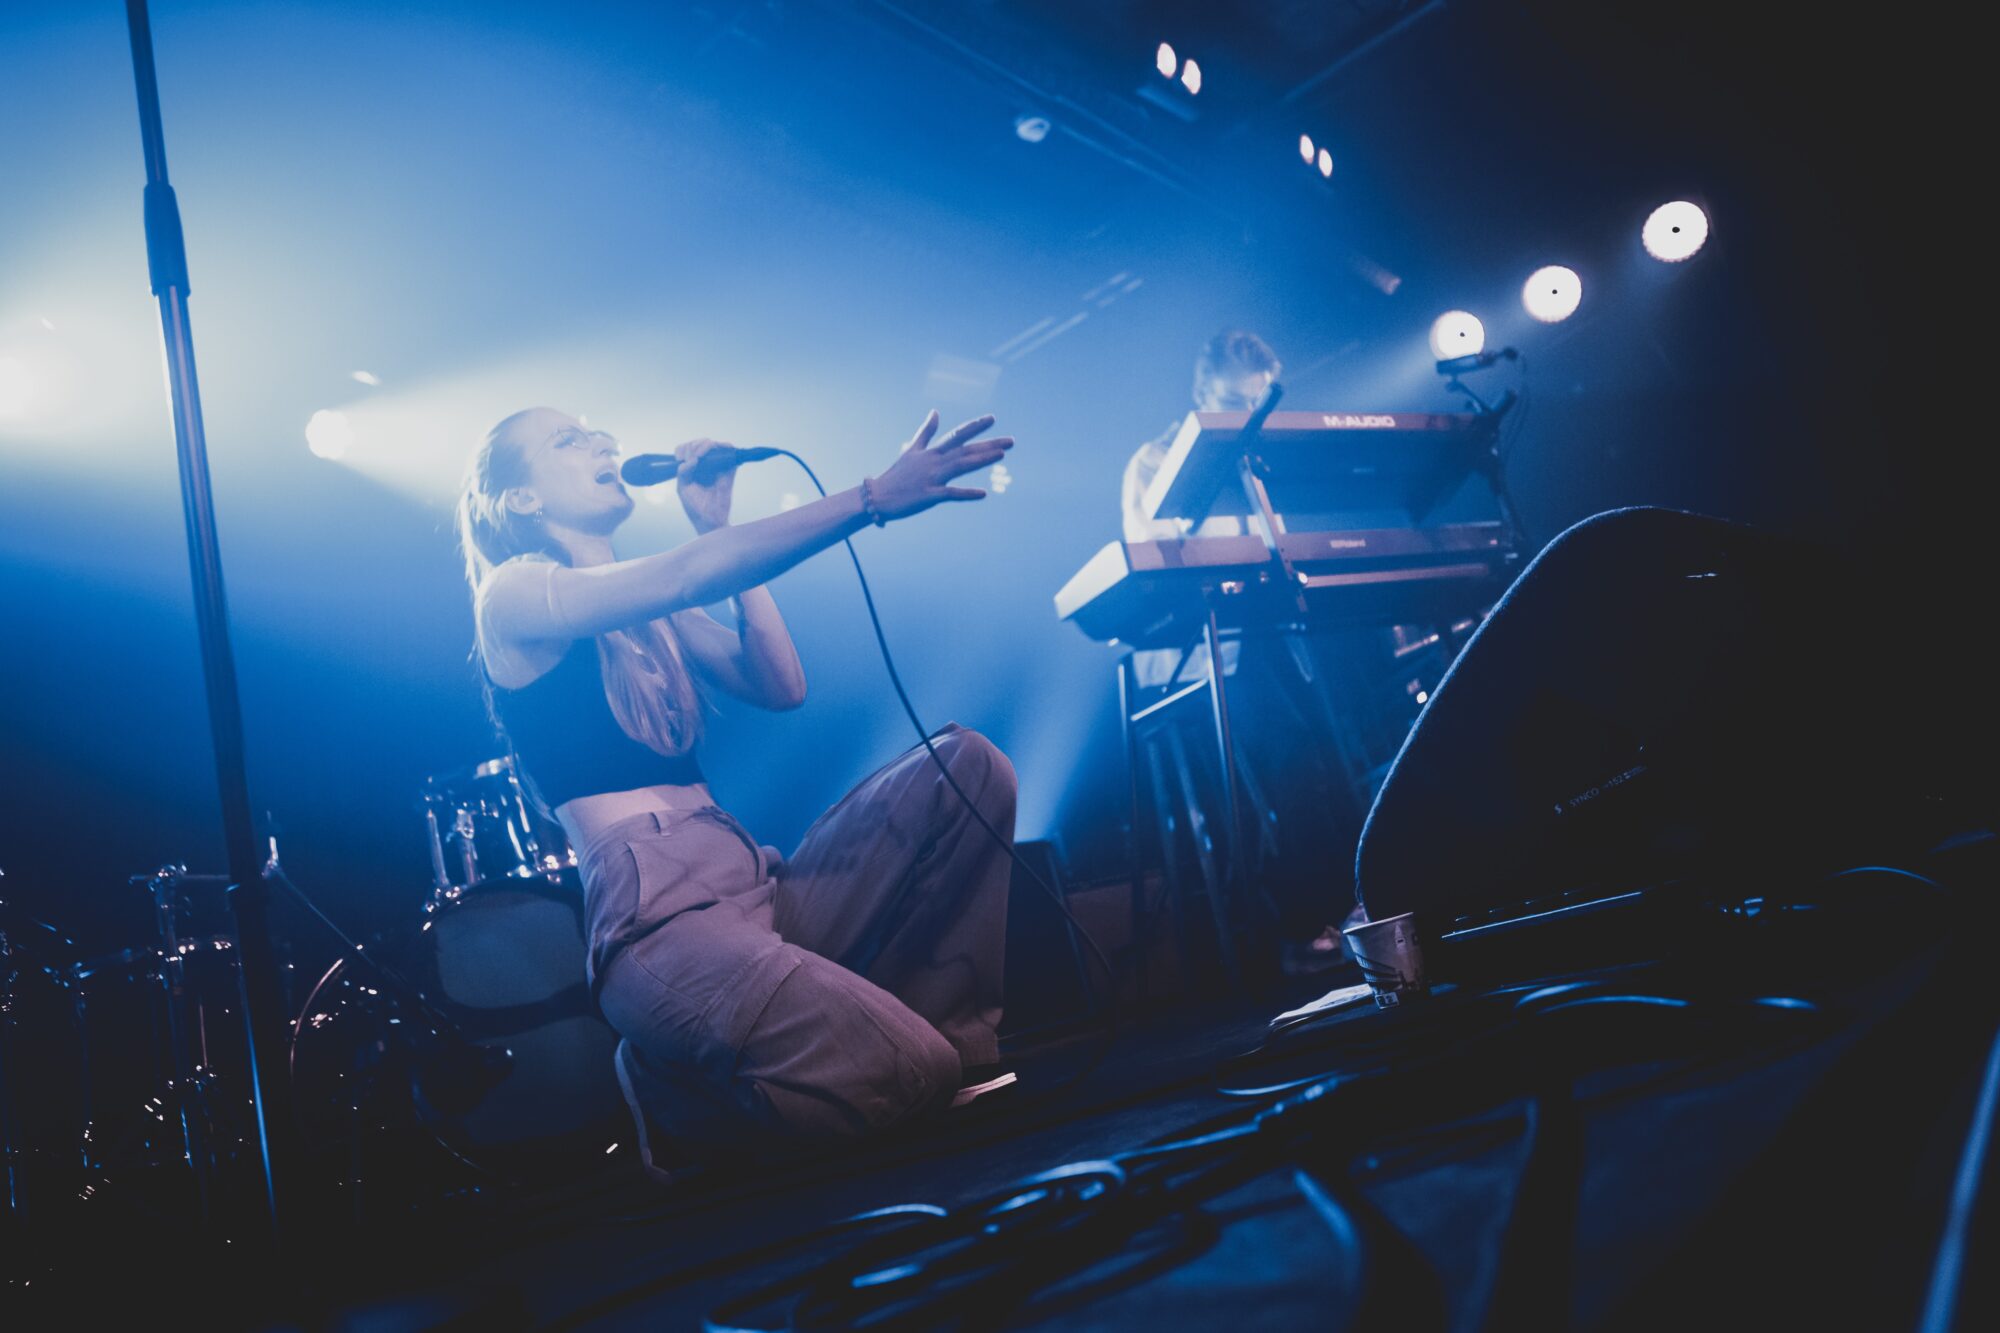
(918, 479)
(706, 501)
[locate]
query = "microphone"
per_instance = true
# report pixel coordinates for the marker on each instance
(652, 469)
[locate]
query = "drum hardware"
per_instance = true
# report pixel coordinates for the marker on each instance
(466, 1041)
(118, 1070)
(497, 1063)
(480, 823)
(167, 1122)
(41, 1079)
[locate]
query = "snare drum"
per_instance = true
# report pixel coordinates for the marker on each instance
(481, 828)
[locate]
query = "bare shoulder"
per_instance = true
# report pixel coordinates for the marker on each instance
(512, 623)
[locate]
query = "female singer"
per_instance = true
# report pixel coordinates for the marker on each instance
(843, 989)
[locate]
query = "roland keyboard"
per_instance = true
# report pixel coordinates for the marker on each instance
(1158, 594)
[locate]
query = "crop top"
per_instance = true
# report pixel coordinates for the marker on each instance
(568, 741)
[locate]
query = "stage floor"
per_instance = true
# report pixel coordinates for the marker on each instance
(1687, 1115)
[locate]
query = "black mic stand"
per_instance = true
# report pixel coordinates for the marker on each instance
(1251, 469)
(166, 259)
(1490, 464)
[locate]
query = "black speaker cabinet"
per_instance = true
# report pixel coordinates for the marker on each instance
(1658, 695)
(1044, 972)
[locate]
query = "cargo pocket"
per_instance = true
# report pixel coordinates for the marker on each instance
(824, 1053)
(693, 863)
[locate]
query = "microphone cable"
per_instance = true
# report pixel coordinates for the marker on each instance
(1110, 999)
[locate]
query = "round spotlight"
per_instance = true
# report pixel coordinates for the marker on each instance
(1325, 163)
(17, 387)
(1165, 61)
(1191, 76)
(1675, 231)
(1306, 148)
(1457, 333)
(1033, 129)
(328, 433)
(1552, 294)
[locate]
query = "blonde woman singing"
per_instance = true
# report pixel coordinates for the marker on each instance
(843, 989)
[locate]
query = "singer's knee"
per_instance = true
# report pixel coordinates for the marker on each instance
(981, 768)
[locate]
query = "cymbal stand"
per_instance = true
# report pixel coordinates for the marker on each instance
(355, 951)
(189, 1080)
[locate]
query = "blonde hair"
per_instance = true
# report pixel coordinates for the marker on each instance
(646, 680)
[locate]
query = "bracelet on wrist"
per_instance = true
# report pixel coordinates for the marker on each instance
(868, 508)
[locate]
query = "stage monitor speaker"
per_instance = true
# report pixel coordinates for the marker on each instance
(1044, 975)
(1658, 695)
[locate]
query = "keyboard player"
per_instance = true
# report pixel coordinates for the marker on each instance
(1283, 714)
(1232, 374)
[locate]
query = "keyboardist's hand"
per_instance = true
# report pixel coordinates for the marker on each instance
(919, 478)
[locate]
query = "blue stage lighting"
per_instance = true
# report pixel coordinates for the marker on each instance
(1457, 333)
(1032, 129)
(1306, 148)
(1552, 294)
(1191, 76)
(328, 433)
(1325, 163)
(1675, 231)
(1165, 61)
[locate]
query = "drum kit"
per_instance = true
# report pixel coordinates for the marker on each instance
(116, 1068)
(449, 1054)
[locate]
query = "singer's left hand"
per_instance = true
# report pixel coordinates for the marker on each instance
(706, 502)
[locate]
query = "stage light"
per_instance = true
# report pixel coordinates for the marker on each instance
(1165, 61)
(1675, 231)
(1032, 129)
(1456, 333)
(1306, 148)
(1325, 163)
(328, 433)
(1552, 294)
(367, 378)
(1191, 76)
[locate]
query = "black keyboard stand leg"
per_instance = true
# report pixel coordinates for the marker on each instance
(1173, 893)
(1216, 886)
(1138, 917)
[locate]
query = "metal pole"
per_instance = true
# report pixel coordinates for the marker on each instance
(1235, 869)
(166, 259)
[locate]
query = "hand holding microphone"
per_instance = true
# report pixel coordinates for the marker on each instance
(917, 480)
(652, 469)
(706, 471)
